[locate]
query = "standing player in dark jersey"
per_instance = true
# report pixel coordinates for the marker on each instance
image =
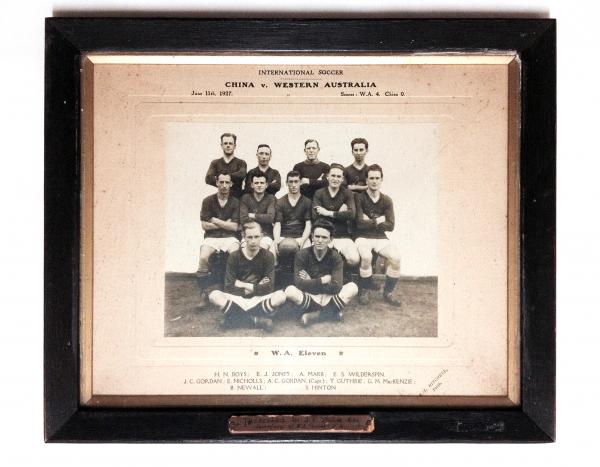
(356, 173)
(259, 206)
(318, 275)
(337, 203)
(374, 217)
(228, 164)
(219, 218)
(263, 154)
(292, 219)
(312, 171)
(248, 298)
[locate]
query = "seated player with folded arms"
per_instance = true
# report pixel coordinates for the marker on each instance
(259, 206)
(318, 271)
(336, 203)
(292, 219)
(248, 299)
(375, 217)
(219, 218)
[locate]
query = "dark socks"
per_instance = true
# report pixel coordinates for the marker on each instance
(202, 279)
(264, 309)
(332, 309)
(236, 316)
(367, 283)
(390, 284)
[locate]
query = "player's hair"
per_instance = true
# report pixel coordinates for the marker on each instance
(263, 146)
(335, 165)
(257, 175)
(375, 168)
(251, 225)
(223, 173)
(359, 141)
(310, 140)
(292, 173)
(229, 135)
(323, 224)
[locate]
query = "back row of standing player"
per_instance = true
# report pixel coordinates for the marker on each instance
(346, 202)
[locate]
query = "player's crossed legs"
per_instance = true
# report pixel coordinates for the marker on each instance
(321, 307)
(255, 312)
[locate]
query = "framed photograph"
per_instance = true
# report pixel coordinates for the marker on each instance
(300, 230)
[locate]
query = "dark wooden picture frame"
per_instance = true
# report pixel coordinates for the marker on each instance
(68, 39)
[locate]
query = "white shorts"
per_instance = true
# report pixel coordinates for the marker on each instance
(342, 244)
(246, 303)
(321, 298)
(221, 243)
(373, 244)
(265, 242)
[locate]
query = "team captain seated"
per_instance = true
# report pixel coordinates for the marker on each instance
(248, 299)
(318, 275)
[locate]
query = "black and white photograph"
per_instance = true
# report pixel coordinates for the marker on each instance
(301, 229)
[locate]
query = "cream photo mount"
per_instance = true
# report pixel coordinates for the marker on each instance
(135, 158)
(460, 121)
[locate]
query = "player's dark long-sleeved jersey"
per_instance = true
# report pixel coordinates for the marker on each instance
(334, 203)
(264, 210)
(211, 208)
(384, 206)
(254, 270)
(316, 175)
(272, 176)
(331, 264)
(292, 218)
(235, 167)
(354, 176)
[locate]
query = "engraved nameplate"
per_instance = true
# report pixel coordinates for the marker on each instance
(247, 424)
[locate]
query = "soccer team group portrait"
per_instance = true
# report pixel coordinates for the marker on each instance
(312, 249)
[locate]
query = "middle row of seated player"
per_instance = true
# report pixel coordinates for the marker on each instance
(286, 222)
(289, 217)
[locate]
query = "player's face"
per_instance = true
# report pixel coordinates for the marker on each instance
(359, 151)
(224, 184)
(228, 145)
(252, 237)
(311, 150)
(321, 238)
(264, 156)
(293, 184)
(374, 180)
(335, 177)
(259, 185)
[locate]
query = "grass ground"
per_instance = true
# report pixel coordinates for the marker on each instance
(416, 318)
